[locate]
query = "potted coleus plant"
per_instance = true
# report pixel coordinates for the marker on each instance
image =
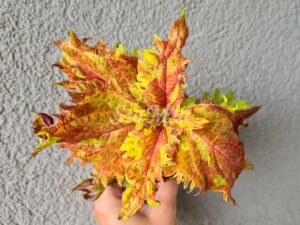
(132, 121)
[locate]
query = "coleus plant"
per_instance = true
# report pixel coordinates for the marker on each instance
(131, 120)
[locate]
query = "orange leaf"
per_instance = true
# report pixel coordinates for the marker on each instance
(161, 78)
(210, 158)
(133, 123)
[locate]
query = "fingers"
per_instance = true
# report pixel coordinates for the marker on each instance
(108, 206)
(167, 192)
(109, 202)
(165, 213)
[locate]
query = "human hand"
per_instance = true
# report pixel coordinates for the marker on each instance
(107, 207)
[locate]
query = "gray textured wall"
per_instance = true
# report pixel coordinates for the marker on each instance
(252, 47)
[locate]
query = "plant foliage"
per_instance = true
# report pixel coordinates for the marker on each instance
(131, 120)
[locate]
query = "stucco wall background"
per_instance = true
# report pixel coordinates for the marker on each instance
(252, 47)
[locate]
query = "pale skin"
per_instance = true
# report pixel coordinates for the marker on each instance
(107, 207)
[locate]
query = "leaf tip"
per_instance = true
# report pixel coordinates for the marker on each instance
(228, 197)
(58, 43)
(122, 216)
(152, 202)
(33, 154)
(248, 165)
(183, 11)
(257, 107)
(70, 32)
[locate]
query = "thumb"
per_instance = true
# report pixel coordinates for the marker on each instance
(109, 201)
(165, 212)
(167, 192)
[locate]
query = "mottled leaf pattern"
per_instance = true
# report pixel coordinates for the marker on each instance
(210, 157)
(131, 120)
(161, 71)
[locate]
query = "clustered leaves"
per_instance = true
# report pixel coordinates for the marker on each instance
(131, 120)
